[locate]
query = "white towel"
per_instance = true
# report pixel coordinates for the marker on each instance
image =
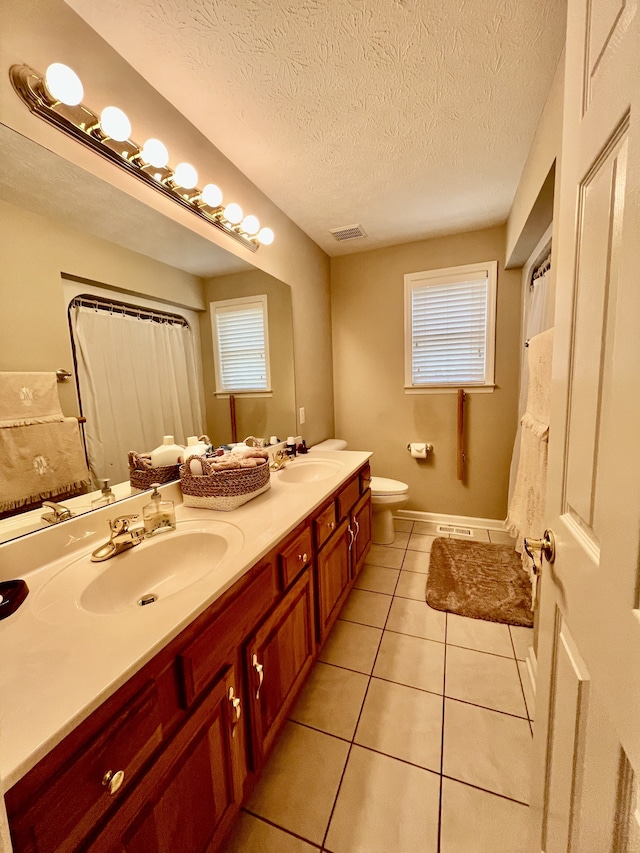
(39, 461)
(28, 398)
(527, 507)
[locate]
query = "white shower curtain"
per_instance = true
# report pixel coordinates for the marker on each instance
(138, 381)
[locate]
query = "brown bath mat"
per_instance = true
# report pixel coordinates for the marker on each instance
(479, 580)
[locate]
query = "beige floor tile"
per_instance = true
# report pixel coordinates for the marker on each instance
(522, 640)
(402, 722)
(395, 809)
(485, 680)
(427, 528)
(299, 783)
(408, 616)
(412, 585)
(476, 822)
(352, 646)
(252, 835)
(385, 555)
(480, 635)
(529, 695)
(501, 537)
(487, 749)
(402, 525)
(368, 608)
(416, 561)
(377, 579)
(479, 534)
(400, 540)
(418, 542)
(331, 700)
(411, 661)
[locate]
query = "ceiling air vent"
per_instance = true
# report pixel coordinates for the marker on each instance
(348, 232)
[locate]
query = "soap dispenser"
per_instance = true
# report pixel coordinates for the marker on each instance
(158, 515)
(106, 496)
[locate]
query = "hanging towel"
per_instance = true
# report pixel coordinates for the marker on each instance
(39, 461)
(527, 507)
(28, 398)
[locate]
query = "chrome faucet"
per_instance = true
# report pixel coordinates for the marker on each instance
(59, 513)
(280, 459)
(121, 539)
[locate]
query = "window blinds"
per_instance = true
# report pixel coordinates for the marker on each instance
(240, 332)
(449, 331)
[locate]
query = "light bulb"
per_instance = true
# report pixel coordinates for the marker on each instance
(233, 213)
(155, 153)
(250, 224)
(64, 84)
(212, 195)
(265, 236)
(115, 124)
(185, 176)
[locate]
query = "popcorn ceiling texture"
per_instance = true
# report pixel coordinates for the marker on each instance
(411, 118)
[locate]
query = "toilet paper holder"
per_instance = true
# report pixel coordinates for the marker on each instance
(420, 447)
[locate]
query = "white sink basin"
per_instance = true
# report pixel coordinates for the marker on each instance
(137, 578)
(309, 470)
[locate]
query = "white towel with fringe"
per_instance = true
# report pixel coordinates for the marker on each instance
(28, 398)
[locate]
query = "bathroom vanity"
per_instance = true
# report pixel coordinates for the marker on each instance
(143, 729)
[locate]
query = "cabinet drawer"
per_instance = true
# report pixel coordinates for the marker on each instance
(365, 478)
(325, 523)
(76, 796)
(215, 646)
(347, 497)
(294, 557)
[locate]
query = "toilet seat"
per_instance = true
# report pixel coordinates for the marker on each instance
(383, 486)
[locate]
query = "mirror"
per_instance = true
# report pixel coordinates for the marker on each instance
(57, 219)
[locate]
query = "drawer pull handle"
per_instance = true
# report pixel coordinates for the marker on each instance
(236, 710)
(331, 525)
(303, 557)
(113, 781)
(259, 668)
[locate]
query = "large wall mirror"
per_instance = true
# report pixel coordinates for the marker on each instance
(59, 224)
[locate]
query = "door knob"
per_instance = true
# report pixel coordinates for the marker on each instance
(546, 546)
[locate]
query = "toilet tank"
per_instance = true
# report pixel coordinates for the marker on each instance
(331, 444)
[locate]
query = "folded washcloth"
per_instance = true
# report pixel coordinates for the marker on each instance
(251, 457)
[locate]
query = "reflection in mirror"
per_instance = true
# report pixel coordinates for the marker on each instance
(56, 219)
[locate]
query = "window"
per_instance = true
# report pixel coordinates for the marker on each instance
(241, 345)
(450, 328)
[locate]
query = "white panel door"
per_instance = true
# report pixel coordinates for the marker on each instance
(587, 730)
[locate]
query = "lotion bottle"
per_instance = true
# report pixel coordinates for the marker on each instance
(168, 453)
(158, 515)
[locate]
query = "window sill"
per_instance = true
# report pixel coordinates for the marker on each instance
(225, 394)
(449, 389)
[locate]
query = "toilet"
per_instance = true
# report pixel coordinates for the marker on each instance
(386, 497)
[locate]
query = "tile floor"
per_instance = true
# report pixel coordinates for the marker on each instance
(412, 734)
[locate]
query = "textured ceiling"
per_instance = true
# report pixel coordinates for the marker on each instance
(411, 118)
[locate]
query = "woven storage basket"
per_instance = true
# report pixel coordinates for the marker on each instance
(141, 476)
(224, 490)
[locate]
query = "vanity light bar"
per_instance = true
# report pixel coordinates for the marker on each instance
(72, 117)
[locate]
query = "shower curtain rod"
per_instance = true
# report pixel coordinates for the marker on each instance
(98, 303)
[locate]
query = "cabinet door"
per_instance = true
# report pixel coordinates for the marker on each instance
(279, 658)
(190, 795)
(361, 527)
(333, 572)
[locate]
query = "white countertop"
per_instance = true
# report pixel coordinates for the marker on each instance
(60, 663)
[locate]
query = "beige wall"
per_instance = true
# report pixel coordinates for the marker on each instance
(38, 32)
(259, 416)
(532, 209)
(34, 251)
(372, 410)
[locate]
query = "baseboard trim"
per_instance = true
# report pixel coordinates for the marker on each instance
(457, 520)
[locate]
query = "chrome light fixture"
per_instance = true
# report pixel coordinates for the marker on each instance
(57, 98)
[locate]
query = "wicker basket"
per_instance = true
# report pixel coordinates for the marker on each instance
(142, 476)
(223, 490)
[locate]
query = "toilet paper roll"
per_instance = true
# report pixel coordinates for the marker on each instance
(418, 449)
